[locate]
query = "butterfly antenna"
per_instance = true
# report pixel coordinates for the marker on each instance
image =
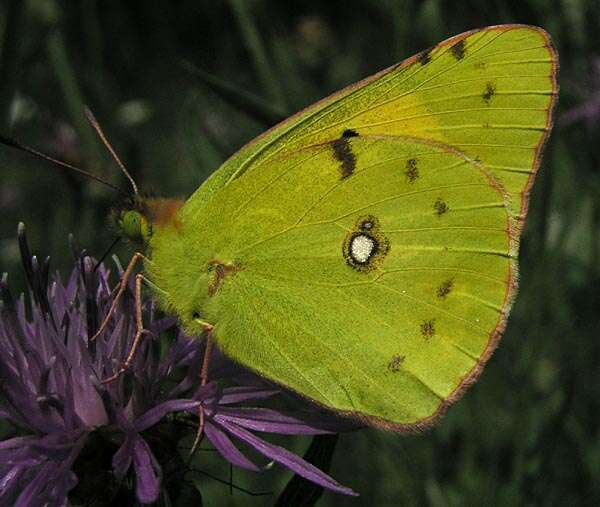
(94, 123)
(107, 251)
(7, 141)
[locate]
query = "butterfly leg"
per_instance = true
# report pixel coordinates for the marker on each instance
(139, 326)
(121, 289)
(203, 381)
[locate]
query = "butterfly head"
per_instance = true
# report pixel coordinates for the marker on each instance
(132, 221)
(137, 218)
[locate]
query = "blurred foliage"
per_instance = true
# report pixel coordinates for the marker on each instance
(527, 433)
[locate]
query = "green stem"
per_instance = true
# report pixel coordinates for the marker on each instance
(264, 69)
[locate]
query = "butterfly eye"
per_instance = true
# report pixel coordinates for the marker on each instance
(129, 222)
(133, 225)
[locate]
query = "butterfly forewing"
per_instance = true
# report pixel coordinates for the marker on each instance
(489, 93)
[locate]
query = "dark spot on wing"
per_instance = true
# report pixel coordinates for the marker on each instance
(342, 151)
(368, 223)
(365, 247)
(440, 207)
(424, 57)
(395, 363)
(444, 289)
(489, 92)
(428, 328)
(412, 171)
(458, 50)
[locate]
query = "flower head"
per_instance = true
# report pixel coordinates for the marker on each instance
(59, 411)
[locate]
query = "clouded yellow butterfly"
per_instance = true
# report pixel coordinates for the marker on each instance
(363, 252)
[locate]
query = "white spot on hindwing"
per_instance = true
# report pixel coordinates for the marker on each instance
(365, 246)
(362, 247)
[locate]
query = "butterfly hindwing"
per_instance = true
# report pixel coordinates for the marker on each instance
(375, 293)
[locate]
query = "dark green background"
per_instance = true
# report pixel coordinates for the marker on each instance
(527, 433)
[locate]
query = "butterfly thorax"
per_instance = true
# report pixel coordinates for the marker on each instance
(155, 225)
(180, 268)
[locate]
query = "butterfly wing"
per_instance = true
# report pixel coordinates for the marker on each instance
(489, 93)
(362, 253)
(377, 294)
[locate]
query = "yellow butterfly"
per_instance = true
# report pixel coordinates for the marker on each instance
(364, 252)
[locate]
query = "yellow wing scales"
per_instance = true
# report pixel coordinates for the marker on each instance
(504, 128)
(371, 239)
(295, 291)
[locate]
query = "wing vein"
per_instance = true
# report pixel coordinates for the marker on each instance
(415, 88)
(437, 308)
(275, 346)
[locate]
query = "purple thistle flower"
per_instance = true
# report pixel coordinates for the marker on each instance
(59, 411)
